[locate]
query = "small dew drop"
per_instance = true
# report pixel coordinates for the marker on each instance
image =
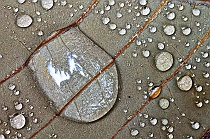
(199, 88)
(122, 31)
(105, 20)
(18, 106)
(171, 16)
(146, 53)
(170, 129)
(24, 21)
(170, 136)
(119, 15)
(47, 4)
(145, 11)
(134, 132)
(171, 5)
(161, 46)
(153, 121)
(11, 87)
(164, 103)
(111, 2)
(40, 33)
(142, 124)
(196, 12)
(153, 29)
(154, 92)
(21, 1)
(112, 26)
(164, 61)
(184, 83)
(180, 7)
(195, 125)
(169, 30)
(2, 136)
(164, 121)
(199, 104)
(142, 2)
(186, 31)
(18, 121)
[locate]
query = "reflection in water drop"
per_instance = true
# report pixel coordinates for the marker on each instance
(70, 64)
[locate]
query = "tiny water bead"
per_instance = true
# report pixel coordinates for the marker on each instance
(184, 83)
(195, 125)
(196, 12)
(17, 121)
(47, 4)
(24, 21)
(145, 11)
(2, 136)
(164, 61)
(186, 30)
(164, 103)
(134, 132)
(154, 91)
(169, 30)
(65, 65)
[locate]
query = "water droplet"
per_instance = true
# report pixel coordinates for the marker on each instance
(195, 125)
(164, 103)
(171, 5)
(164, 61)
(121, 4)
(21, 1)
(111, 2)
(189, 137)
(164, 121)
(146, 53)
(205, 54)
(142, 124)
(112, 26)
(196, 12)
(134, 132)
(122, 31)
(71, 66)
(161, 46)
(15, 9)
(16, 92)
(171, 15)
(138, 42)
(199, 104)
(199, 88)
(105, 20)
(11, 87)
(145, 10)
(119, 15)
(153, 121)
(17, 121)
(24, 21)
(184, 83)
(2, 136)
(40, 33)
(170, 129)
(154, 92)
(186, 31)
(206, 75)
(153, 29)
(47, 4)
(63, 3)
(143, 2)
(170, 136)
(180, 7)
(169, 30)
(18, 106)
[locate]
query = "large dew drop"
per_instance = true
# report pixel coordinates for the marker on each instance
(65, 65)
